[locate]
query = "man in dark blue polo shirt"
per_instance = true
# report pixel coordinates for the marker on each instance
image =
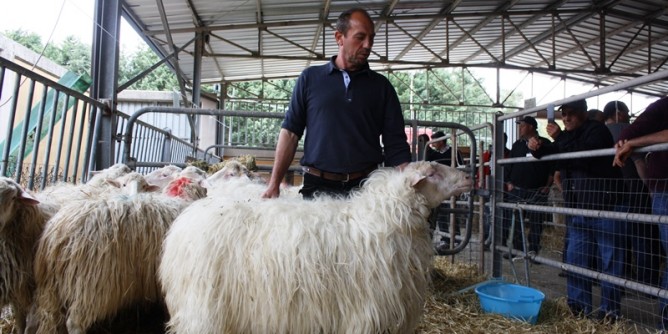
(346, 109)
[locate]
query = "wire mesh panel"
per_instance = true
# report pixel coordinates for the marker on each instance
(593, 240)
(249, 131)
(609, 255)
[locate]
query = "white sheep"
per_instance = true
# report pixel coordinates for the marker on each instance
(286, 265)
(186, 188)
(162, 176)
(232, 169)
(100, 255)
(234, 180)
(130, 184)
(21, 222)
(100, 177)
(62, 193)
(193, 172)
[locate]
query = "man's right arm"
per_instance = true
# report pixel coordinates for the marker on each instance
(627, 146)
(285, 153)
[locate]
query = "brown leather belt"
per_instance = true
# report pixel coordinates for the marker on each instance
(343, 177)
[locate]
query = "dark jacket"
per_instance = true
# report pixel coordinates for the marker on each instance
(527, 175)
(653, 119)
(588, 183)
(443, 158)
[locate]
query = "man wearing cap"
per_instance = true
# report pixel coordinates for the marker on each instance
(441, 152)
(588, 183)
(527, 182)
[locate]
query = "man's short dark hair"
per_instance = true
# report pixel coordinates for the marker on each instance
(438, 134)
(611, 108)
(343, 23)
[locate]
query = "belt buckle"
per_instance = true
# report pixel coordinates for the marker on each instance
(347, 178)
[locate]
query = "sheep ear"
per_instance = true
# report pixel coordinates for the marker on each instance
(27, 199)
(416, 178)
(152, 188)
(113, 183)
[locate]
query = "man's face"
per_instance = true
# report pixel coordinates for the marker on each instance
(438, 145)
(526, 130)
(572, 119)
(355, 45)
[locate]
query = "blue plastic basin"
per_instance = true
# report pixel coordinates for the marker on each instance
(510, 300)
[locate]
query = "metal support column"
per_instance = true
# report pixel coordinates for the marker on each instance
(197, 86)
(104, 70)
(220, 120)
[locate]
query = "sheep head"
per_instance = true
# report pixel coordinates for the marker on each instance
(186, 188)
(437, 182)
(133, 183)
(11, 195)
(193, 172)
(232, 169)
(113, 172)
(162, 176)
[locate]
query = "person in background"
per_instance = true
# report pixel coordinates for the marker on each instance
(595, 115)
(529, 183)
(346, 109)
(643, 238)
(440, 217)
(422, 140)
(487, 171)
(588, 183)
(441, 152)
(651, 127)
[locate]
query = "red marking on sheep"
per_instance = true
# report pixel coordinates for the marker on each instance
(175, 188)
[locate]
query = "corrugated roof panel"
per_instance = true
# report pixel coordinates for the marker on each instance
(473, 30)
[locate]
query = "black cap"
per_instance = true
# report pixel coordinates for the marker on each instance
(578, 106)
(529, 120)
(437, 134)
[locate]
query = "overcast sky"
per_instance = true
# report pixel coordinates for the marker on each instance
(54, 20)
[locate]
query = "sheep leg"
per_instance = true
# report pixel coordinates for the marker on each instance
(19, 320)
(31, 320)
(47, 312)
(74, 325)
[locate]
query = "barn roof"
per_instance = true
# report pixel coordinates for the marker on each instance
(599, 42)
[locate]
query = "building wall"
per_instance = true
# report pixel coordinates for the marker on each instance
(130, 101)
(31, 60)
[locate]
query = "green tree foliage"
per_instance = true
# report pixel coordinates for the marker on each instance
(30, 40)
(72, 54)
(265, 96)
(161, 78)
(75, 55)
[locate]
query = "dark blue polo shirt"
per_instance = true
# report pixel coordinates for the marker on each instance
(343, 124)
